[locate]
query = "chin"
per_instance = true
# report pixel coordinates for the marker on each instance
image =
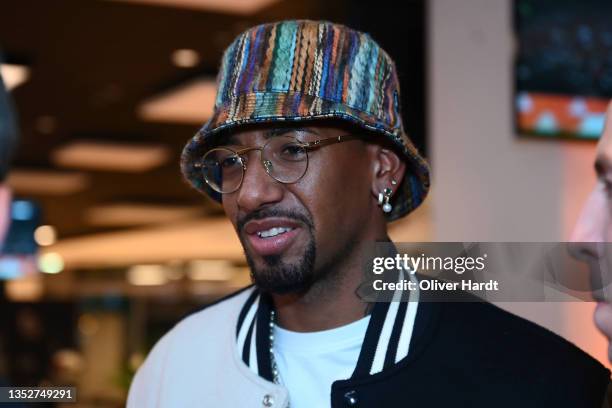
(280, 274)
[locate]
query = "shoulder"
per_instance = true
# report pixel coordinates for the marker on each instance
(489, 323)
(518, 348)
(221, 314)
(193, 341)
(229, 305)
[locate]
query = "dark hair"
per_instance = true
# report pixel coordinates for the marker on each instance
(8, 131)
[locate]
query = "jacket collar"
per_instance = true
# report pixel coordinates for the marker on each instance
(386, 342)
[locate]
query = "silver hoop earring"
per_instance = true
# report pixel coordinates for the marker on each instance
(383, 199)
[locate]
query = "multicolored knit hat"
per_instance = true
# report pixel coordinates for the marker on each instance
(301, 70)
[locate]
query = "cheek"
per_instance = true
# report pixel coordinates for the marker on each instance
(608, 225)
(594, 221)
(335, 197)
(229, 207)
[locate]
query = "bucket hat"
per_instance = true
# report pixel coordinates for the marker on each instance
(301, 70)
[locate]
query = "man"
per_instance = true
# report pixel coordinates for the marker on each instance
(307, 154)
(593, 231)
(8, 139)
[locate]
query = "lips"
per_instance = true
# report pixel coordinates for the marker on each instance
(271, 236)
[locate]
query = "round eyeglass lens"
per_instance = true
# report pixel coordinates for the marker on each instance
(222, 170)
(285, 159)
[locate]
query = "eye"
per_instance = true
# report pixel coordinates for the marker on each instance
(292, 151)
(229, 162)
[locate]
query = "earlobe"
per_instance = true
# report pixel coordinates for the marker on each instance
(383, 199)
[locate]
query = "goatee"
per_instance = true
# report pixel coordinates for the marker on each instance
(280, 277)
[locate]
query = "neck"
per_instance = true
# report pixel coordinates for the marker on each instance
(331, 302)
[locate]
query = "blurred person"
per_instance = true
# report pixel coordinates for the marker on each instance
(593, 231)
(307, 153)
(66, 368)
(8, 141)
(29, 349)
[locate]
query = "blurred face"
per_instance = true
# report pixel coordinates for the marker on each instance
(594, 229)
(5, 206)
(594, 226)
(295, 234)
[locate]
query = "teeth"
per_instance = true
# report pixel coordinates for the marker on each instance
(272, 232)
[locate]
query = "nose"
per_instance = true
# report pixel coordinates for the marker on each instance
(589, 235)
(258, 189)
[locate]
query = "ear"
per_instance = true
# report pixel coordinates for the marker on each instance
(388, 170)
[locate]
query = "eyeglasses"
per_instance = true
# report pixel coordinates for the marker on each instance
(284, 158)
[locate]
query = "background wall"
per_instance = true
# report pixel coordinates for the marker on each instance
(489, 185)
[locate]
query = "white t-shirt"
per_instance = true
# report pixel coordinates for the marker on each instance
(309, 363)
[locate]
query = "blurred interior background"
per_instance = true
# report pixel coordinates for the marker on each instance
(109, 247)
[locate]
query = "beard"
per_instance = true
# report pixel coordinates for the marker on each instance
(280, 277)
(277, 275)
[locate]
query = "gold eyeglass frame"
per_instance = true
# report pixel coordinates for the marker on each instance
(307, 146)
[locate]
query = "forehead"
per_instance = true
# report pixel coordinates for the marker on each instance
(308, 129)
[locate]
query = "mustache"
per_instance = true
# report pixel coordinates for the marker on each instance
(274, 212)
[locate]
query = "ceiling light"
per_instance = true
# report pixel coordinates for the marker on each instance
(51, 262)
(14, 75)
(185, 58)
(243, 7)
(129, 214)
(10, 267)
(22, 210)
(45, 235)
(210, 270)
(147, 275)
(25, 181)
(110, 156)
(26, 289)
(191, 103)
(212, 238)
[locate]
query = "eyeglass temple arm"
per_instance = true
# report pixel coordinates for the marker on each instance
(328, 141)
(246, 150)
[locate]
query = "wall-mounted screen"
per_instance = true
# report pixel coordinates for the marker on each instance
(563, 70)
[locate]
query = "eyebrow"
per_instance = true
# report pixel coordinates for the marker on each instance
(277, 131)
(283, 130)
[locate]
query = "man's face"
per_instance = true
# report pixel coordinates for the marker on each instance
(593, 232)
(294, 234)
(594, 226)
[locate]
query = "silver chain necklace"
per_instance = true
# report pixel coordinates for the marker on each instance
(275, 374)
